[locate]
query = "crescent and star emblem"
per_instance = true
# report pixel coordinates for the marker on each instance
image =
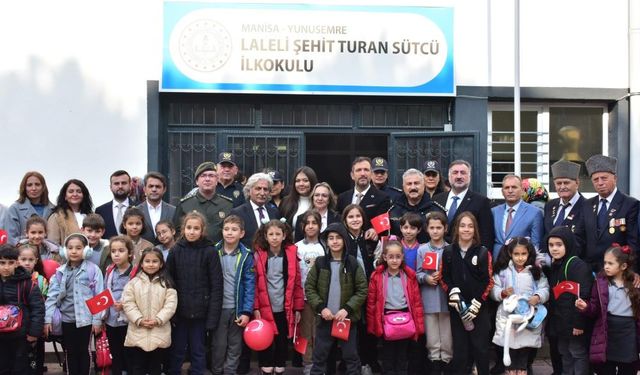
(428, 261)
(103, 301)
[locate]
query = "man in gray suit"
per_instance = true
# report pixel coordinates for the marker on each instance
(154, 208)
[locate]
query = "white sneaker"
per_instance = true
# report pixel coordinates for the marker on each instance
(366, 370)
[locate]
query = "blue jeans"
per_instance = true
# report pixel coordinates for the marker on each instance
(188, 333)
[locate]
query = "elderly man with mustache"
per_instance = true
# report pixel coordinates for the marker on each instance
(413, 199)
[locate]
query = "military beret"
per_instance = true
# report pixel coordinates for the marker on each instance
(206, 166)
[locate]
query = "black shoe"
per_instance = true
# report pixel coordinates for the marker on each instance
(497, 369)
(243, 369)
(529, 370)
(375, 367)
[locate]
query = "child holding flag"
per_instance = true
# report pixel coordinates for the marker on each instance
(570, 278)
(437, 321)
(70, 287)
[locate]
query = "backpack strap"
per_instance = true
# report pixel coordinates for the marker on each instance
(566, 266)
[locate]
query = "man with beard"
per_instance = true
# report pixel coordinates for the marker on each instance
(413, 199)
(154, 208)
(373, 201)
(113, 211)
(227, 184)
(461, 199)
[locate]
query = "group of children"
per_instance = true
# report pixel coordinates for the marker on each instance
(170, 296)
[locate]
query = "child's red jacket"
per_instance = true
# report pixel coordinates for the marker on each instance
(375, 302)
(293, 296)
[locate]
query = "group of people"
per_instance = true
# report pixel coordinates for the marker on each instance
(449, 272)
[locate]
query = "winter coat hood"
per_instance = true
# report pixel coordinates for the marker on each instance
(567, 237)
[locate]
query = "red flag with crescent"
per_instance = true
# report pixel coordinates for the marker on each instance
(430, 262)
(566, 287)
(100, 302)
(299, 343)
(340, 329)
(381, 222)
(4, 236)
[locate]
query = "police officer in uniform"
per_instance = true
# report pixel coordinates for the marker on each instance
(609, 217)
(380, 169)
(227, 184)
(214, 207)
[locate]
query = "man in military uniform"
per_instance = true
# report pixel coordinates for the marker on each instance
(609, 217)
(380, 169)
(214, 207)
(227, 185)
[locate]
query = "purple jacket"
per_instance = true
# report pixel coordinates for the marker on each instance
(597, 309)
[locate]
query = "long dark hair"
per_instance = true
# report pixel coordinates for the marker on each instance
(86, 206)
(456, 225)
(624, 255)
(289, 204)
(44, 197)
(260, 239)
(133, 212)
(163, 275)
(502, 262)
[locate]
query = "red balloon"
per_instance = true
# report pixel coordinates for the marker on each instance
(258, 334)
(50, 267)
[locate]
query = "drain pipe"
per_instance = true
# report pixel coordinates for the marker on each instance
(634, 96)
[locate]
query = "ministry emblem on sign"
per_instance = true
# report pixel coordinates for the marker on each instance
(204, 45)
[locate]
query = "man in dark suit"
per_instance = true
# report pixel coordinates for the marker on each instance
(154, 208)
(609, 217)
(466, 200)
(113, 211)
(373, 201)
(255, 210)
(566, 210)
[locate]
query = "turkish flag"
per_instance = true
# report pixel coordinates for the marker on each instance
(340, 329)
(381, 222)
(100, 302)
(566, 287)
(4, 236)
(300, 344)
(430, 262)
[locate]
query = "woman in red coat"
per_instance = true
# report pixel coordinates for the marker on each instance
(394, 290)
(278, 298)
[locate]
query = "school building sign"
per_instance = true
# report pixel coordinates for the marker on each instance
(307, 49)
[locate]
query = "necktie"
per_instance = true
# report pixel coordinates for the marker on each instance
(509, 220)
(453, 209)
(561, 214)
(120, 207)
(602, 214)
(261, 214)
(359, 197)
